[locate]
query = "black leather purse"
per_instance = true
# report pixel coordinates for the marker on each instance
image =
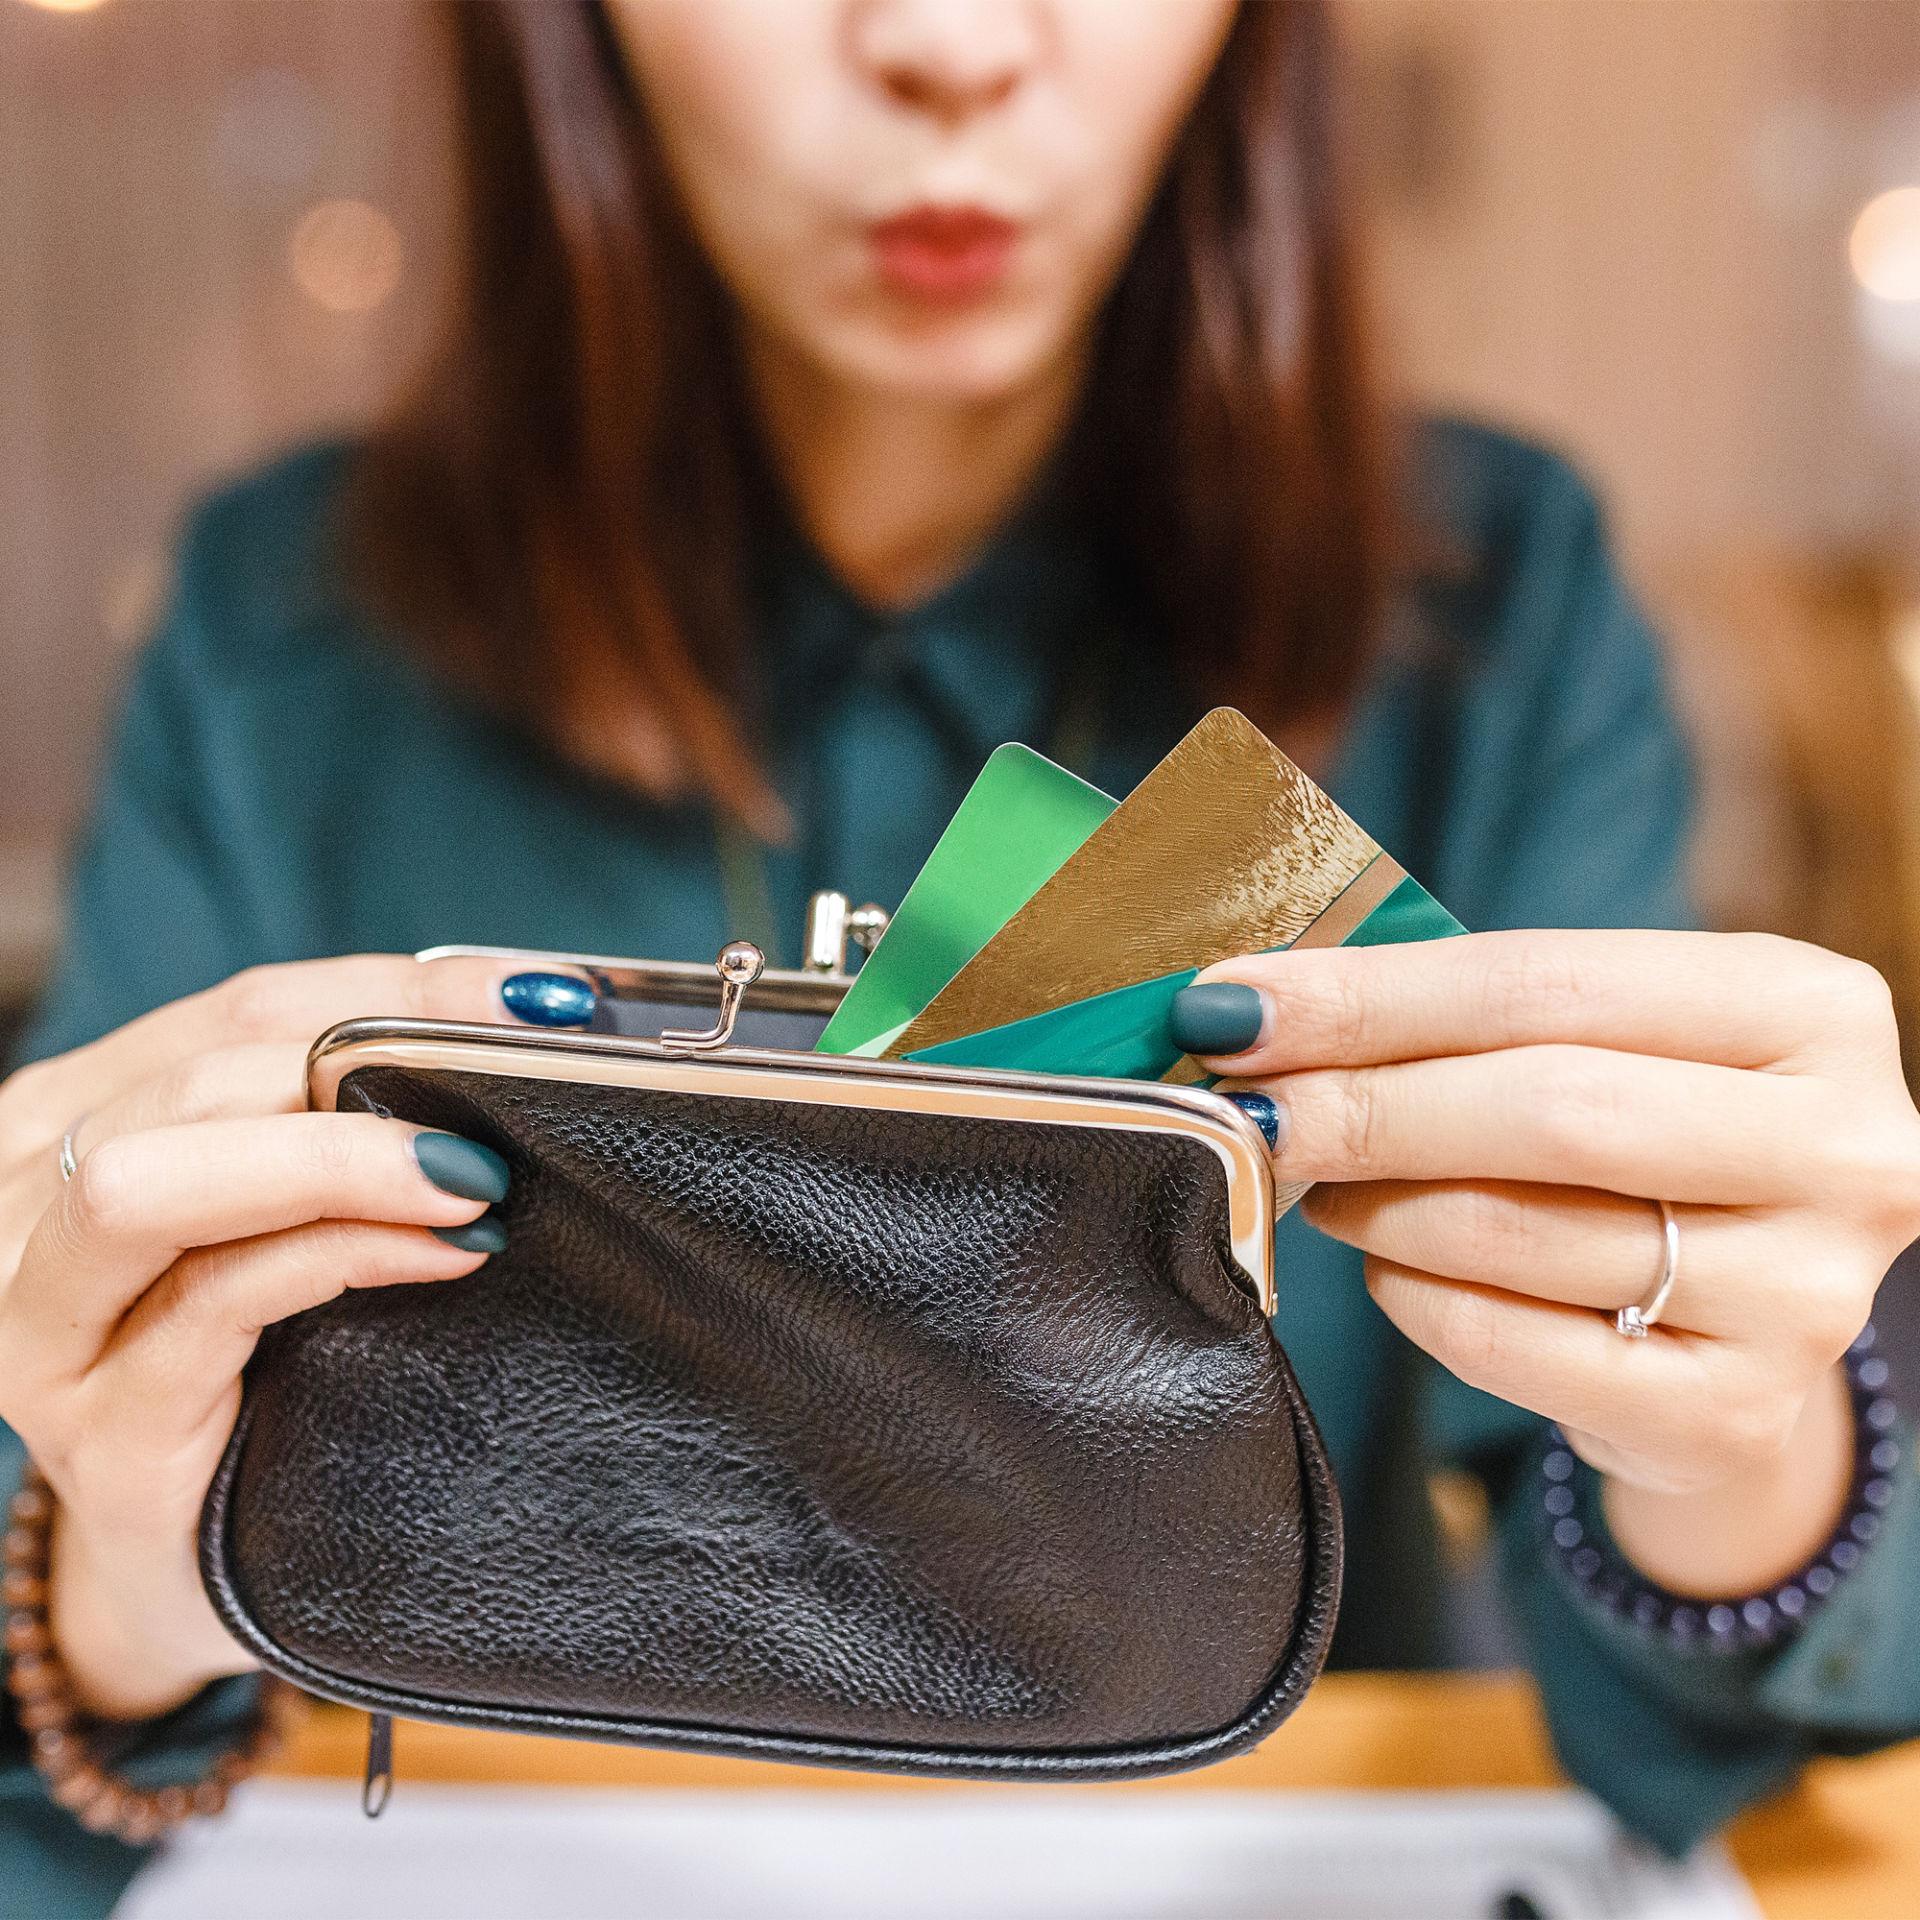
(819, 1409)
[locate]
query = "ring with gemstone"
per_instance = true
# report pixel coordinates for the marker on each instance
(1633, 1322)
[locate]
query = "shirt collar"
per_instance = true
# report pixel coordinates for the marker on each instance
(988, 652)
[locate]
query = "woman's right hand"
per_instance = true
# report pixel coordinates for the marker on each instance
(206, 1203)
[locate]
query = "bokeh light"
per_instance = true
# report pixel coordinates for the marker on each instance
(66, 6)
(346, 255)
(1884, 246)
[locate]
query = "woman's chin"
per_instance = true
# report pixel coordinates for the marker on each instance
(954, 354)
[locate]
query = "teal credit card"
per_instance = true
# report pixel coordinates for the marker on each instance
(1021, 819)
(1122, 1035)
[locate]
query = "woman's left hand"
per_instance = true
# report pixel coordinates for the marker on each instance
(1492, 1117)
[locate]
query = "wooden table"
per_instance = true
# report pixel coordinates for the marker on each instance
(1844, 1846)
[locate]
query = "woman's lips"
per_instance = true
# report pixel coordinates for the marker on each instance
(943, 253)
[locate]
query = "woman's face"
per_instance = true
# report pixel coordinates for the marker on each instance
(922, 198)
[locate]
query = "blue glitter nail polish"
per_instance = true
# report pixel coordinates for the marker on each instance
(1263, 1110)
(548, 999)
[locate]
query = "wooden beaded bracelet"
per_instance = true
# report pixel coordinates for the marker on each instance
(60, 1736)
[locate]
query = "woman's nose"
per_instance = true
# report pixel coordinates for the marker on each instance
(948, 58)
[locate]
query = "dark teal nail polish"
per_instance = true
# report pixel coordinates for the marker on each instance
(461, 1166)
(488, 1234)
(549, 999)
(1216, 1017)
(1264, 1111)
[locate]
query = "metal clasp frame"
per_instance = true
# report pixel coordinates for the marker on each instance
(738, 964)
(831, 922)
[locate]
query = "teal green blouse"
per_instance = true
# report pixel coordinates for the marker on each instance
(287, 783)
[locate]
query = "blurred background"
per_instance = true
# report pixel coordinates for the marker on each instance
(1679, 238)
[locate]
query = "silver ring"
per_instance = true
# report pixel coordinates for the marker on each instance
(69, 1163)
(1632, 1322)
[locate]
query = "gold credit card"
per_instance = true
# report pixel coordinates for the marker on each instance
(1226, 847)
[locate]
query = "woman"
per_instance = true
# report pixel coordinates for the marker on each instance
(845, 386)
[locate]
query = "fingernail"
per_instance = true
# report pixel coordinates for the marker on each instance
(488, 1234)
(461, 1166)
(549, 999)
(1215, 1017)
(1265, 1112)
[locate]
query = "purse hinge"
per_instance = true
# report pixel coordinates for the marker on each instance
(833, 920)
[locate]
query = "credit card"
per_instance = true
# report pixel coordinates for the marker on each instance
(1022, 817)
(1225, 848)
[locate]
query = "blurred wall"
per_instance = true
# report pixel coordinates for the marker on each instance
(1630, 232)
(220, 229)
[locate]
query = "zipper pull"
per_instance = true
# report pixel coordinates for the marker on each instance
(378, 1787)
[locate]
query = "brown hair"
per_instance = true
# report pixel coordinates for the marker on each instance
(560, 517)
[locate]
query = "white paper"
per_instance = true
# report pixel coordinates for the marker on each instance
(300, 1850)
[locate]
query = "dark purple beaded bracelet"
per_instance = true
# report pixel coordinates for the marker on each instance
(1761, 1619)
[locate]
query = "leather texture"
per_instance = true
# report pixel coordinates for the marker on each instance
(820, 1433)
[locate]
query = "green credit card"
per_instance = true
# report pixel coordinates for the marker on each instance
(1016, 827)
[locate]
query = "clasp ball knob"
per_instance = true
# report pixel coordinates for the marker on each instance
(866, 924)
(739, 963)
